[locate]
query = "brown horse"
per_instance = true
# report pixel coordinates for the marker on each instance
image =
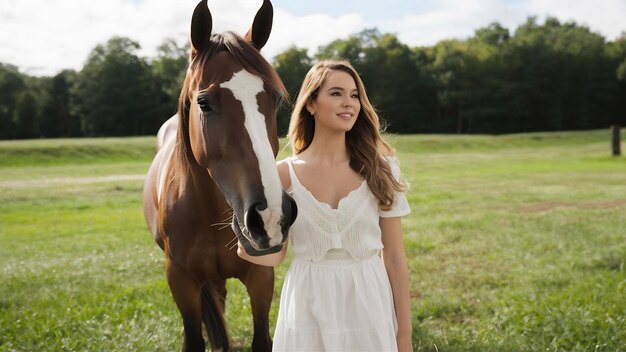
(220, 166)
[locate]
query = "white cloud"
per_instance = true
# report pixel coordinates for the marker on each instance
(45, 36)
(49, 35)
(608, 17)
(460, 18)
(454, 19)
(311, 31)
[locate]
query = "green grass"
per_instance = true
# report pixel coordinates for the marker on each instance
(515, 243)
(75, 151)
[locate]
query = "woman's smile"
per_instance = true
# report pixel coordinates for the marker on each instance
(345, 116)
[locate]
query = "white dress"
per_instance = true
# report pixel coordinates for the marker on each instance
(336, 295)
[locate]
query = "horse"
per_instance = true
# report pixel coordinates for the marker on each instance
(215, 183)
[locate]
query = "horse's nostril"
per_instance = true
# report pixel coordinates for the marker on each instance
(292, 210)
(254, 223)
(260, 206)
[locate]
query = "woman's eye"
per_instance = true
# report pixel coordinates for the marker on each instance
(203, 103)
(335, 94)
(355, 96)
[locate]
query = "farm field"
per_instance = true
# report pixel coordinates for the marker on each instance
(515, 243)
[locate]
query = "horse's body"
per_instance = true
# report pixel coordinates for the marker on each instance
(218, 167)
(167, 132)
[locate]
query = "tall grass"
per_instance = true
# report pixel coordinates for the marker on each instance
(515, 243)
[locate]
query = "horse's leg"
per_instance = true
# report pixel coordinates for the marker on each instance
(259, 282)
(220, 295)
(213, 305)
(186, 293)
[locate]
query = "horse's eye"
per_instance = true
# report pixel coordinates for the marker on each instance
(203, 102)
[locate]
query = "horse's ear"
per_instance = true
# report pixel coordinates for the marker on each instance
(201, 25)
(262, 25)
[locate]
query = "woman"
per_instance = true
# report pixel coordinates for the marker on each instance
(340, 294)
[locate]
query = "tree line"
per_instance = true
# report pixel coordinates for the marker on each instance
(542, 77)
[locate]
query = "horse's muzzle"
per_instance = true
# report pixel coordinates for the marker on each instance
(265, 231)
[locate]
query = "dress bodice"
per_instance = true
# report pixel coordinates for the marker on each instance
(353, 226)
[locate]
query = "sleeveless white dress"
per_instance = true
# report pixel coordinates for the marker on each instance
(336, 295)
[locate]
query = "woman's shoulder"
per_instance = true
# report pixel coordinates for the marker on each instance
(394, 165)
(283, 172)
(392, 160)
(391, 157)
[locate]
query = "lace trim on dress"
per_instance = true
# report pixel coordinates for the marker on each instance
(352, 226)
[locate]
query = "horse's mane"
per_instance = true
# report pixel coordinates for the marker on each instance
(248, 57)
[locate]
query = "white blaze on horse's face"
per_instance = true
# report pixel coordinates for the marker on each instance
(245, 87)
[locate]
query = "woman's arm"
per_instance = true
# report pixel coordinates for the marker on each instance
(398, 272)
(268, 260)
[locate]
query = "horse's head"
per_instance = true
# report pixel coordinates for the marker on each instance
(228, 127)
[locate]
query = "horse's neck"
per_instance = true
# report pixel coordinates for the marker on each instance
(192, 181)
(195, 182)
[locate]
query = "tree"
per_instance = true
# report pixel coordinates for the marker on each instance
(616, 53)
(11, 86)
(350, 49)
(486, 106)
(25, 115)
(621, 71)
(493, 35)
(292, 65)
(404, 92)
(169, 69)
(57, 119)
(550, 76)
(115, 92)
(449, 67)
(562, 77)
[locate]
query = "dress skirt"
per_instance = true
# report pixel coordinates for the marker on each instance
(336, 304)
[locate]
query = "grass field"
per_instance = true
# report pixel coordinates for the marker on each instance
(515, 243)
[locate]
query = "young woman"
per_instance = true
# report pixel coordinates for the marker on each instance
(347, 288)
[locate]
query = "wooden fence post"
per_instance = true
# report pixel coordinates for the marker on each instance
(616, 140)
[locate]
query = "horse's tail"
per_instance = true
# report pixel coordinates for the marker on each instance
(214, 321)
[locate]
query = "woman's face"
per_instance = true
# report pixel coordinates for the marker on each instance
(337, 104)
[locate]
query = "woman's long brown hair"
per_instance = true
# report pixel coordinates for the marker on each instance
(366, 148)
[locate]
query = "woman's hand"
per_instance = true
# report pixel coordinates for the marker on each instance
(267, 260)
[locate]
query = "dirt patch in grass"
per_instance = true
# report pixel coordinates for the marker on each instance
(45, 182)
(548, 205)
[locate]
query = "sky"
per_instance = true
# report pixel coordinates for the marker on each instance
(43, 37)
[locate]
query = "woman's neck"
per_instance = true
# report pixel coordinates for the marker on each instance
(328, 147)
